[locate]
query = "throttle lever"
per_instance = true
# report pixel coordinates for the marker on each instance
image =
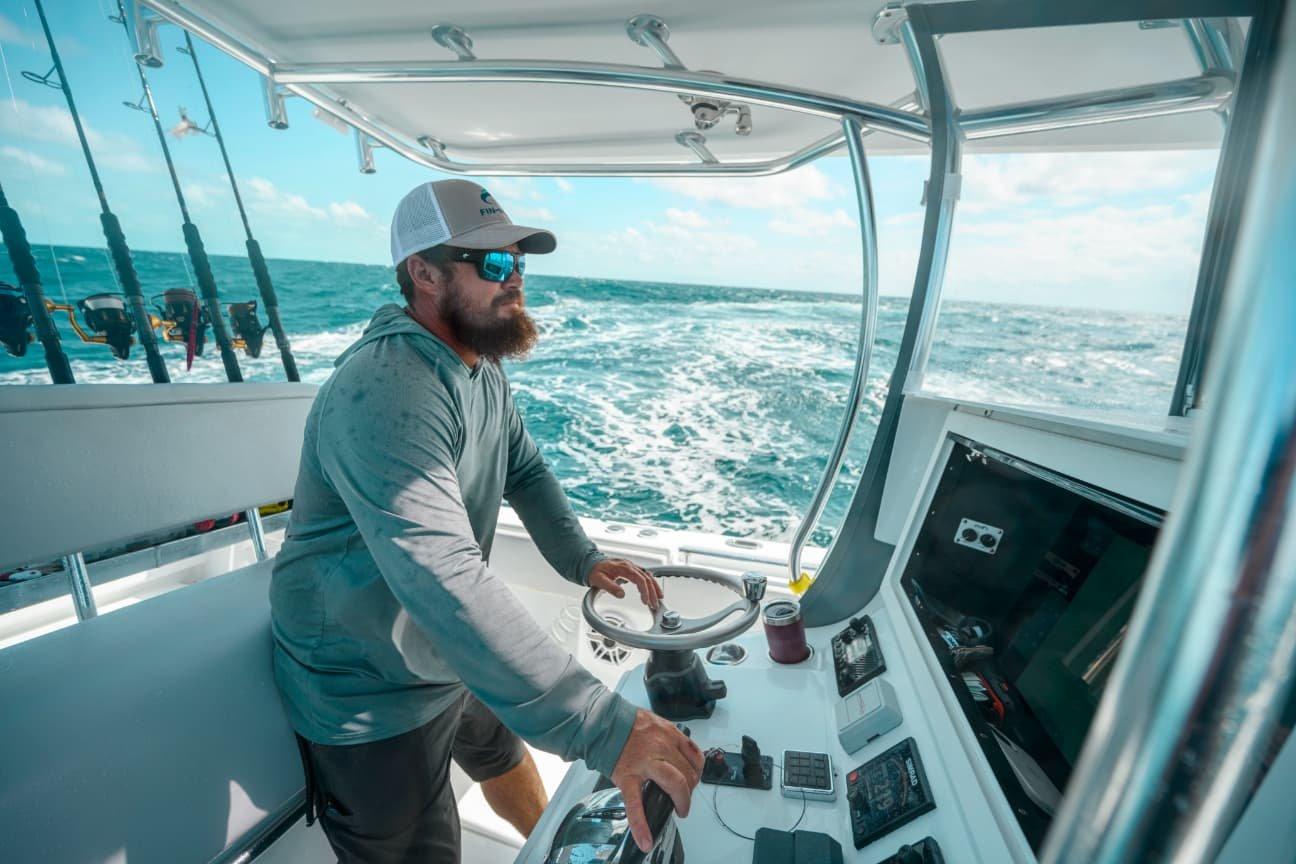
(658, 808)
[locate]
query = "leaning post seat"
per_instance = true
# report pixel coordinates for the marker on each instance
(153, 733)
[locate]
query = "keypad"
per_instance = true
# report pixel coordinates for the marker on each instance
(809, 774)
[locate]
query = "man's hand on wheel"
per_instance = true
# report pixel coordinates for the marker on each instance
(610, 572)
(659, 752)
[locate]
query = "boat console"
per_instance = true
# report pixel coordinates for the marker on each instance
(941, 721)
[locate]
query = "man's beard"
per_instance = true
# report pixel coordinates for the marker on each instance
(484, 332)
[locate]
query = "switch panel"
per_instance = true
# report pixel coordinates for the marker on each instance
(857, 657)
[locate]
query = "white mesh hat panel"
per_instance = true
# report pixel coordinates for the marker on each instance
(417, 224)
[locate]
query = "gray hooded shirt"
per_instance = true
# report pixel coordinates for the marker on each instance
(382, 602)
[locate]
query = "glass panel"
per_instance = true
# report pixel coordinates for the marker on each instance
(1071, 277)
(1074, 254)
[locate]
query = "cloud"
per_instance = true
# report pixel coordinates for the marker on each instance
(53, 124)
(1136, 257)
(11, 33)
(805, 222)
(655, 242)
(272, 201)
(779, 192)
(913, 217)
(268, 199)
(540, 214)
(350, 213)
(203, 195)
(506, 189)
(994, 181)
(34, 161)
(563, 185)
(686, 218)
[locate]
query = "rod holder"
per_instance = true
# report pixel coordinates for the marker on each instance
(365, 145)
(273, 96)
(143, 28)
(454, 38)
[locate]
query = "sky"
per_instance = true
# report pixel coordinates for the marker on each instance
(1103, 230)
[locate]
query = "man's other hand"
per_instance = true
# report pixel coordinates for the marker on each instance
(609, 573)
(659, 752)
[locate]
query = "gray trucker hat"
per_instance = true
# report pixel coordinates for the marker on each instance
(460, 213)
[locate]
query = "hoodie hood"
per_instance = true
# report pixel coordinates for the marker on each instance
(390, 321)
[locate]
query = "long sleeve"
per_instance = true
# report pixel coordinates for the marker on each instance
(533, 491)
(390, 456)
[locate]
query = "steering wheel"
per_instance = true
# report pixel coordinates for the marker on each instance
(671, 631)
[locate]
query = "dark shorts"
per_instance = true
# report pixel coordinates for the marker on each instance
(391, 800)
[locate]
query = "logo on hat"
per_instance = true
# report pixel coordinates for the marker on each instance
(494, 205)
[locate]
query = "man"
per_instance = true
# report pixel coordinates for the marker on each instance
(396, 647)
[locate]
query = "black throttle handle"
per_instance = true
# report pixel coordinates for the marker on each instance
(657, 809)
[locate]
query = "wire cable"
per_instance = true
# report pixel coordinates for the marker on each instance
(715, 808)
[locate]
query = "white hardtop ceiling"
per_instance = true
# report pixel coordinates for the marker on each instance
(824, 46)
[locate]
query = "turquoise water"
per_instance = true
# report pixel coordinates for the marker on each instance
(678, 405)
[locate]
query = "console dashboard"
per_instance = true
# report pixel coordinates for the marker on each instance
(951, 706)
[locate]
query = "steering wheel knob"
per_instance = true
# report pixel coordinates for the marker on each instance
(670, 620)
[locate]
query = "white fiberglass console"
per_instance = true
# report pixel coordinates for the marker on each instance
(964, 687)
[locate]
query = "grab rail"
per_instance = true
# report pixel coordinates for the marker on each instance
(1178, 738)
(853, 130)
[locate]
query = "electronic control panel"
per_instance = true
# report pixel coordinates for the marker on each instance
(886, 792)
(857, 658)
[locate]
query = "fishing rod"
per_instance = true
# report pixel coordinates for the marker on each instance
(24, 265)
(120, 252)
(193, 239)
(255, 258)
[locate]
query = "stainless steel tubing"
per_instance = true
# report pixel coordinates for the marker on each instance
(853, 131)
(654, 41)
(1200, 93)
(696, 142)
(178, 15)
(79, 582)
(257, 531)
(947, 160)
(431, 159)
(1207, 666)
(902, 123)
(1210, 45)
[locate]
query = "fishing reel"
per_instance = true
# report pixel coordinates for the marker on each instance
(106, 316)
(15, 320)
(248, 332)
(182, 319)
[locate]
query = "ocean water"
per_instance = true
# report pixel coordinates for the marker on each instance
(679, 405)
